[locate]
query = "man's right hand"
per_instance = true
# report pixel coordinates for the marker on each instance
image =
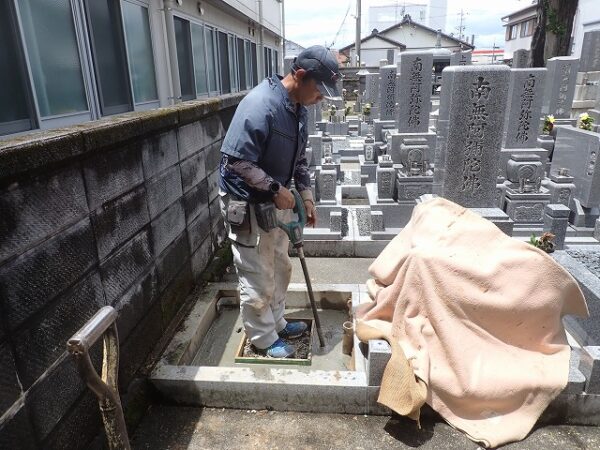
(284, 199)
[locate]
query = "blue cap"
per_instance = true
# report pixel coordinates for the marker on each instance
(321, 65)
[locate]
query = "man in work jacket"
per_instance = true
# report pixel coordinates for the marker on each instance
(262, 150)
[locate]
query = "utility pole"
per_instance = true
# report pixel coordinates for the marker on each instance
(357, 43)
(461, 27)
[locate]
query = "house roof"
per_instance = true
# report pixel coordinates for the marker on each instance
(379, 36)
(408, 20)
(520, 11)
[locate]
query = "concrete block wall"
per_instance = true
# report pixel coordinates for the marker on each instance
(122, 212)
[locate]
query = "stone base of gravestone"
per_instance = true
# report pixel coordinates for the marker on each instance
(380, 126)
(556, 221)
(581, 216)
(377, 221)
(368, 169)
(501, 193)
(597, 230)
(505, 155)
(561, 188)
(409, 189)
(399, 139)
(526, 208)
(497, 217)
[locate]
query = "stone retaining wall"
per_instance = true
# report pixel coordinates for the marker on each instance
(122, 211)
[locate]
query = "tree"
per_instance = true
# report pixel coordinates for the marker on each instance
(552, 35)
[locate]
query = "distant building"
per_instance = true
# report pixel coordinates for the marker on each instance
(587, 18)
(69, 61)
(404, 35)
(488, 56)
(520, 26)
(292, 48)
(431, 13)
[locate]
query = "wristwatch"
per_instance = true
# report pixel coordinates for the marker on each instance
(274, 187)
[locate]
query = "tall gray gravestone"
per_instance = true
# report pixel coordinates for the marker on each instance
(371, 88)
(387, 93)
(461, 58)
(414, 92)
(560, 86)
(590, 52)
(439, 161)
(524, 109)
(520, 59)
(474, 137)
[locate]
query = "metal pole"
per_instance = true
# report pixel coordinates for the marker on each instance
(357, 43)
(311, 295)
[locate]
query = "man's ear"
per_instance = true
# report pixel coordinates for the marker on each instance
(300, 74)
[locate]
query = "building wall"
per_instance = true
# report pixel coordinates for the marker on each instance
(38, 62)
(123, 212)
(586, 19)
(417, 38)
(518, 21)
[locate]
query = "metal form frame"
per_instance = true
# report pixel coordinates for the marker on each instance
(102, 324)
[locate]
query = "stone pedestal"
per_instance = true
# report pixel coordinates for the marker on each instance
(527, 207)
(561, 188)
(410, 188)
(597, 230)
(386, 180)
(556, 221)
(379, 127)
(327, 183)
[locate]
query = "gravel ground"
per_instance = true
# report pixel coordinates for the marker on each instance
(589, 259)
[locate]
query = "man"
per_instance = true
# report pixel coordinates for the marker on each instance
(263, 149)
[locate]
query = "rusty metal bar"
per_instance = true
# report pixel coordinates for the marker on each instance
(106, 388)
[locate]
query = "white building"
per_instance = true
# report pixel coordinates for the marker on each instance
(431, 13)
(586, 19)
(404, 35)
(69, 61)
(520, 26)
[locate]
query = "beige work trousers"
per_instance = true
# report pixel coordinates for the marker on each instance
(264, 271)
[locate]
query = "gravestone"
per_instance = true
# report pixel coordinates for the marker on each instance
(590, 52)
(577, 150)
(372, 88)
(386, 179)
(521, 58)
(461, 58)
(560, 86)
(441, 128)
(524, 109)
(474, 136)
(327, 184)
(387, 93)
(414, 92)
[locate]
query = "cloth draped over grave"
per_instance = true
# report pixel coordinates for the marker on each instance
(474, 320)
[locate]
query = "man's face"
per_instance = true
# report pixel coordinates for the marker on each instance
(308, 93)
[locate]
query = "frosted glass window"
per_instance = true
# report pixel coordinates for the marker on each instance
(139, 49)
(14, 110)
(198, 48)
(110, 62)
(249, 82)
(211, 45)
(184, 58)
(232, 62)
(53, 56)
(275, 62)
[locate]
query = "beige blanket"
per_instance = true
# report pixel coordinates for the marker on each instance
(477, 315)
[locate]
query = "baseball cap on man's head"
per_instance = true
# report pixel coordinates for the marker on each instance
(322, 66)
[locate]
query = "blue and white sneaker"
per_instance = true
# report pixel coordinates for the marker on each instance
(293, 330)
(279, 349)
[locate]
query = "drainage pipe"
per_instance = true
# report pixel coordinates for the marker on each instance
(348, 338)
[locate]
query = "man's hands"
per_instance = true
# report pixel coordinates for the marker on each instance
(311, 213)
(284, 199)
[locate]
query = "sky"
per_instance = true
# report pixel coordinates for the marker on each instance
(311, 22)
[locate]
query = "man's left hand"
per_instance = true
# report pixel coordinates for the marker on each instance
(311, 212)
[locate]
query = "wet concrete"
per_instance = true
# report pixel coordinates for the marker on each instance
(222, 341)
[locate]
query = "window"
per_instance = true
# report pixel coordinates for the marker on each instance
(254, 64)
(527, 28)
(199, 50)
(275, 61)
(242, 65)
(16, 111)
(184, 59)
(53, 56)
(231, 56)
(139, 51)
(211, 59)
(511, 32)
(248, 65)
(108, 51)
(224, 62)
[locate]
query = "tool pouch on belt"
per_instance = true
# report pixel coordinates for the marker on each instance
(238, 215)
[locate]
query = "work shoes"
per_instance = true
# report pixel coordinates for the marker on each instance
(279, 349)
(293, 330)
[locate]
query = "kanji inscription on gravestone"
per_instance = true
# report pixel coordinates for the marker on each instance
(387, 77)
(414, 92)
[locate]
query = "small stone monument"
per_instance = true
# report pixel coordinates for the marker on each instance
(461, 58)
(386, 179)
(521, 59)
(560, 87)
(590, 52)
